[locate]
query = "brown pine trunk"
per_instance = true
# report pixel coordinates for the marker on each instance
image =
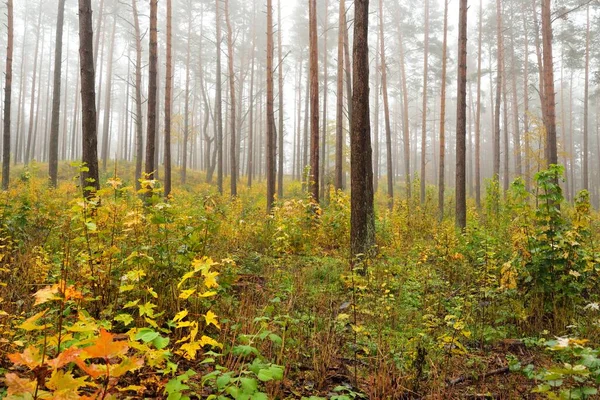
(526, 107)
(550, 106)
(280, 92)
(218, 102)
(362, 216)
(461, 121)
(405, 122)
(515, 109)
(168, 100)
(152, 95)
(186, 127)
(139, 135)
(8, 94)
(53, 150)
(478, 113)
(424, 107)
(89, 175)
(107, 111)
(250, 158)
(496, 151)
(314, 103)
(441, 177)
(386, 111)
(586, 104)
(270, 145)
(339, 107)
(232, 117)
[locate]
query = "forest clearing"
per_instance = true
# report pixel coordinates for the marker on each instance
(310, 199)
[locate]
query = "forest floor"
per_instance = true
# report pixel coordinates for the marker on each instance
(202, 296)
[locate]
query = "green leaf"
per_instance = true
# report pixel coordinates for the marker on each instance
(126, 319)
(249, 385)
(146, 335)
(160, 342)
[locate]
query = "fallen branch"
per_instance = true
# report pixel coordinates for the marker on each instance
(470, 378)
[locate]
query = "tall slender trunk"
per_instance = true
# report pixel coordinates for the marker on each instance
(424, 107)
(168, 100)
(232, 117)
(362, 219)
(586, 104)
(107, 110)
(8, 95)
(386, 111)
(496, 175)
(478, 113)
(515, 108)
(314, 102)
(280, 134)
(270, 112)
(186, 111)
(150, 168)
(405, 122)
(89, 175)
(526, 107)
(339, 107)
(550, 106)
(441, 182)
(461, 122)
(324, 126)
(28, 149)
(250, 158)
(139, 135)
(218, 102)
(53, 150)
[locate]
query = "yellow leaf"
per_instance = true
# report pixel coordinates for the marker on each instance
(46, 294)
(208, 294)
(19, 386)
(210, 279)
(186, 293)
(30, 323)
(126, 288)
(205, 340)
(189, 350)
(31, 357)
(152, 292)
(211, 318)
(185, 277)
(63, 383)
(180, 315)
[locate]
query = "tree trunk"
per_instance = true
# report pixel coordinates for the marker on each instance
(478, 113)
(152, 96)
(280, 92)
(232, 117)
(218, 102)
(8, 94)
(386, 111)
(53, 151)
(550, 117)
(314, 103)
(339, 110)
(89, 175)
(405, 122)
(139, 135)
(424, 107)
(270, 145)
(107, 111)
(168, 100)
(461, 121)
(28, 149)
(362, 218)
(526, 107)
(496, 151)
(586, 104)
(250, 167)
(186, 126)
(441, 177)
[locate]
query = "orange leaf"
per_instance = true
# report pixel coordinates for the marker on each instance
(105, 347)
(18, 385)
(67, 356)
(30, 357)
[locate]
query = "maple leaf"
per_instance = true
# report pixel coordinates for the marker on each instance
(30, 357)
(211, 318)
(128, 364)
(189, 350)
(30, 323)
(18, 385)
(210, 279)
(106, 347)
(65, 386)
(205, 340)
(46, 294)
(67, 356)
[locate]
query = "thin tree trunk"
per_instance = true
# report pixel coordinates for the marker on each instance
(314, 103)
(386, 111)
(270, 112)
(8, 95)
(424, 107)
(89, 174)
(186, 123)
(339, 110)
(53, 156)
(526, 107)
(139, 135)
(461, 110)
(496, 175)
(28, 149)
(218, 102)
(441, 177)
(280, 92)
(586, 104)
(362, 216)
(232, 117)
(107, 110)
(550, 106)
(405, 122)
(478, 113)
(250, 168)
(168, 100)
(150, 168)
